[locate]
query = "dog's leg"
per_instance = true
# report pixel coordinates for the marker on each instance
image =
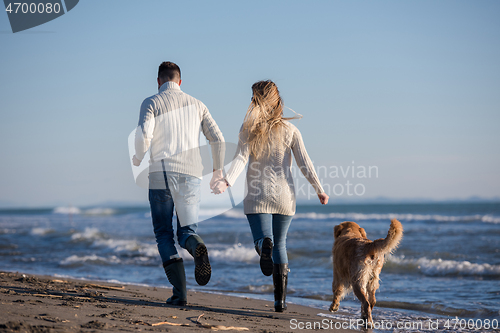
(372, 288)
(366, 313)
(338, 293)
(371, 299)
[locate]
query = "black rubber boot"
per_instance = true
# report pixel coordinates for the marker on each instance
(280, 279)
(174, 268)
(266, 257)
(202, 268)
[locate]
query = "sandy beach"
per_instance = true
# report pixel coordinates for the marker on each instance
(30, 303)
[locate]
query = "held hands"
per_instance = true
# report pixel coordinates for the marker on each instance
(218, 183)
(217, 175)
(219, 187)
(323, 198)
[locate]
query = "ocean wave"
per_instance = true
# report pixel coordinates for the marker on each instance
(130, 246)
(440, 267)
(402, 217)
(119, 245)
(66, 210)
(148, 251)
(99, 211)
(41, 231)
(5, 231)
(261, 289)
(87, 234)
(490, 219)
(76, 260)
(237, 252)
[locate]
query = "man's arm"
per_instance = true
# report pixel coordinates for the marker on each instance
(144, 131)
(215, 138)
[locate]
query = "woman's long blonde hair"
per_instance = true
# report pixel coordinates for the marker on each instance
(264, 119)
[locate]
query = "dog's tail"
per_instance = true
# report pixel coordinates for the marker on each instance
(391, 242)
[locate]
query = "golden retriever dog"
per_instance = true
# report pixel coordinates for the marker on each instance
(357, 262)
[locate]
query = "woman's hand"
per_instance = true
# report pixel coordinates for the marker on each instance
(323, 198)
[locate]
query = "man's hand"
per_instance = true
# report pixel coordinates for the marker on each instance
(219, 187)
(217, 175)
(323, 198)
(136, 161)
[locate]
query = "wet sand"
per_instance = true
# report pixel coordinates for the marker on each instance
(30, 303)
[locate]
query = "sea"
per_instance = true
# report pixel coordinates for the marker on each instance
(446, 272)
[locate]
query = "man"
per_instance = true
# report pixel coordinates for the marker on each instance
(169, 124)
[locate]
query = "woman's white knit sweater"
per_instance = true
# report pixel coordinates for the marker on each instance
(269, 182)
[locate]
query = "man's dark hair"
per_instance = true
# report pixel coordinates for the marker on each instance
(168, 71)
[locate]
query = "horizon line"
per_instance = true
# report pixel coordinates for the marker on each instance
(348, 201)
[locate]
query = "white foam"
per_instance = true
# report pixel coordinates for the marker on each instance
(66, 210)
(149, 250)
(99, 211)
(264, 288)
(41, 231)
(87, 234)
(124, 245)
(74, 259)
(119, 245)
(490, 219)
(99, 239)
(440, 267)
(237, 253)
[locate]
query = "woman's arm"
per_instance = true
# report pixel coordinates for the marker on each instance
(306, 166)
(240, 159)
(237, 166)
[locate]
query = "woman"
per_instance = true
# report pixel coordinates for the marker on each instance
(267, 139)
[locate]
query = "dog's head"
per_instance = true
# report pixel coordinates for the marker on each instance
(349, 228)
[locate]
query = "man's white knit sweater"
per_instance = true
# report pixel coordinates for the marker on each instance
(170, 123)
(269, 181)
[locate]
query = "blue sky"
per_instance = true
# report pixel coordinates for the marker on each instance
(409, 87)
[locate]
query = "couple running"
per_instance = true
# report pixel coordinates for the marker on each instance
(169, 125)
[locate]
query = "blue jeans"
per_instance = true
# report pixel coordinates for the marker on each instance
(169, 190)
(274, 226)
